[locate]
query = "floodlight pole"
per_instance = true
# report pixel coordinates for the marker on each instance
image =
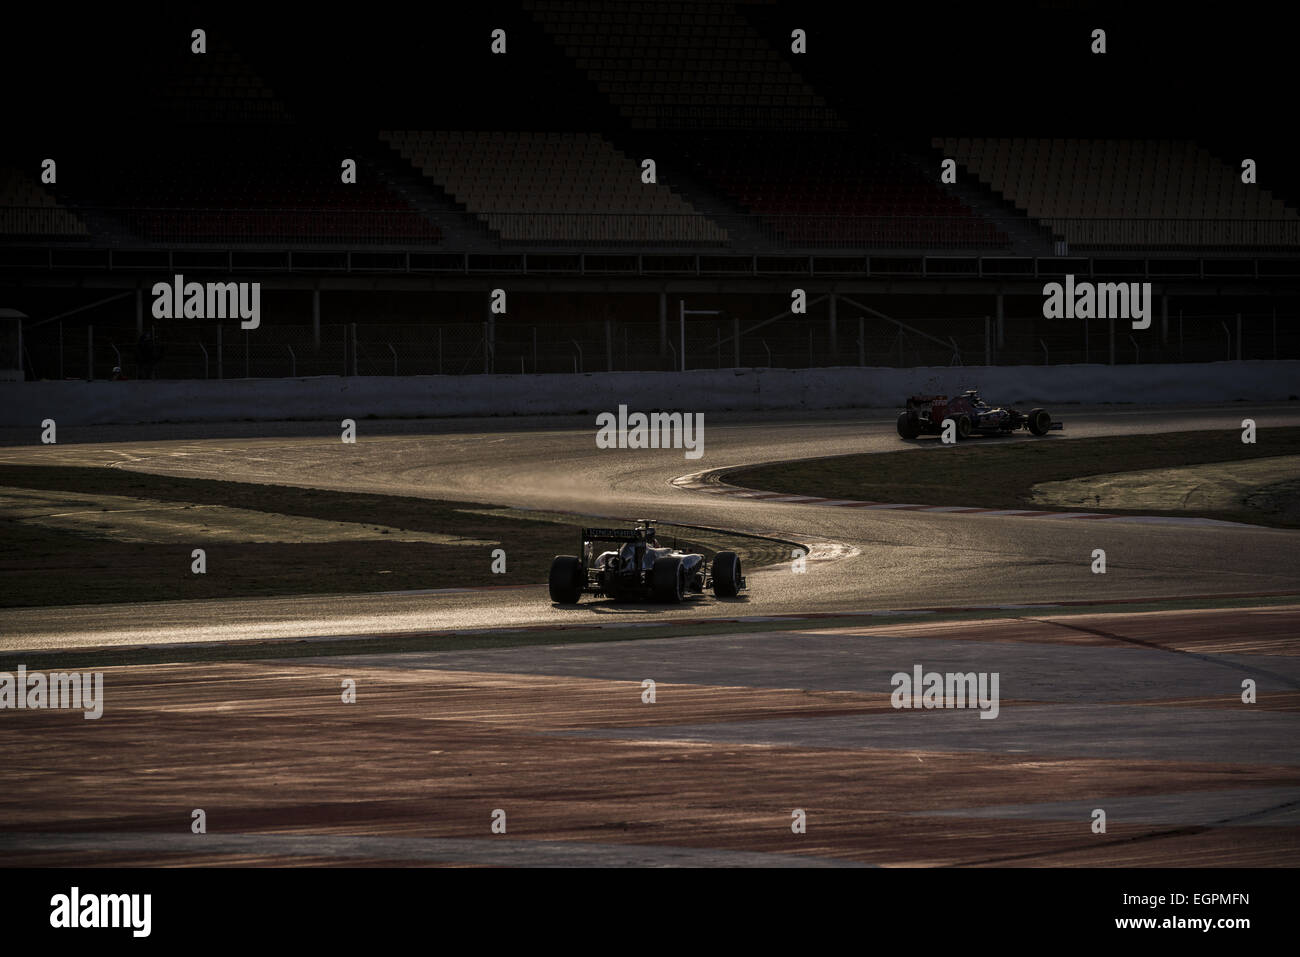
(683, 312)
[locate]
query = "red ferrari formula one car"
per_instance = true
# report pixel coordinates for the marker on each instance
(971, 415)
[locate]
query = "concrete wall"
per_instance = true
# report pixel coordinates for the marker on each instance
(330, 397)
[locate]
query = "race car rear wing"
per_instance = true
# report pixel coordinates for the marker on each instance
(613, 534)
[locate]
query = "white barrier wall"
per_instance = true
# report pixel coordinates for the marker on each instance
(332, 397)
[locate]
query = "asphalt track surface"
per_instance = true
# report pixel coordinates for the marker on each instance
(859, 561)
(1135, 713)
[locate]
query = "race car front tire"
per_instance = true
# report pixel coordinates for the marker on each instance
(1040, 421)
(909, 425)
(668, 579)
(566, 580)
(726, 574)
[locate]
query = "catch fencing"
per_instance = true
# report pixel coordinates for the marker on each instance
(214, 350)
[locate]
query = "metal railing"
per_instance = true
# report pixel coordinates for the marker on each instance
(1116, 233)
(194, 350)
(739, 231)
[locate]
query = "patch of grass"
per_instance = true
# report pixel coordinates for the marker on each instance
(995, 473)
(1280, 501)
(42, 566)
(419, 514)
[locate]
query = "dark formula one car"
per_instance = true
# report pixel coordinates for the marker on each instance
(637, 569)
(971, 415)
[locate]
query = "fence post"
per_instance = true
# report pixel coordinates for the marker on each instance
(833, 329)
(735, 341)
(609, 345)
(354, 348)
(681, 306)
(663, 324)
(247, 372)
(1238, 337)
(90, 353)
(61, 341)
(315, 319)
(221, 355)
(862, 340)
(988, 344)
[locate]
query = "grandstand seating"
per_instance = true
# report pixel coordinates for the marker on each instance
(262, 184)
(553, 187)
(1127, 192)
(677, 65)
(228, 166)
(26, 209)
(218, 87)
(835, 189)
(734, 129)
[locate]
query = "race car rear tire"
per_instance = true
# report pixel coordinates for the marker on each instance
(566, 580)
(963, 426)
(668, 579)
(1040, 421)
(726, 574)
(909, 425)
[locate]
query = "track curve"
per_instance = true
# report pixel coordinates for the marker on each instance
(1137, 713)
(862, 559)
